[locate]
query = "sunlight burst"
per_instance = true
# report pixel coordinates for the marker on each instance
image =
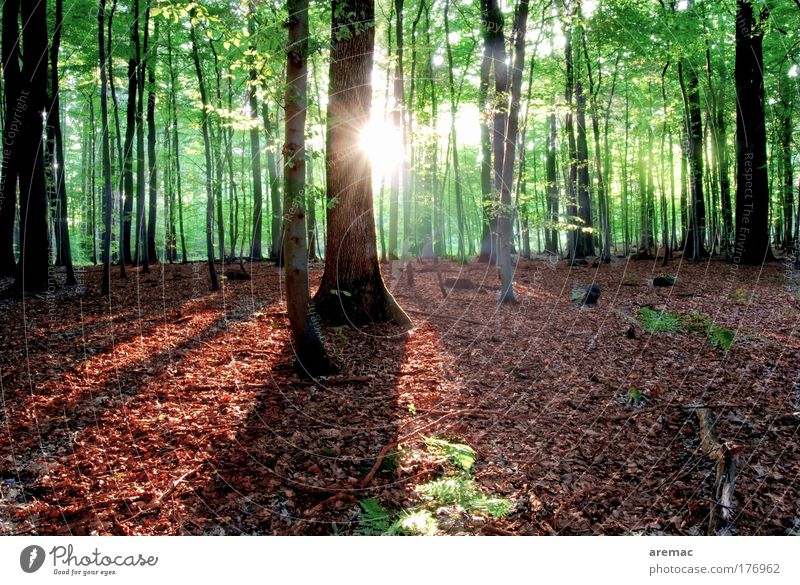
(383, 144)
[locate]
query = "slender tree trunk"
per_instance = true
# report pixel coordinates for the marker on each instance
(351, 262)
(120, 151)
(212, 269)
(107, 197)
(695, 237)
(176, 147)
(255, 142)
(64, 251)
(311, 358)
(487, 253)
(274, 192)
(454, 137)
(140, 255)
(152, 254)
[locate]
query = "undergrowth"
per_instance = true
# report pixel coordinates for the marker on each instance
(663, 321)
(455, 489)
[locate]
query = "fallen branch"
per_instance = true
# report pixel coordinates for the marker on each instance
(157, 504)
(725, 455)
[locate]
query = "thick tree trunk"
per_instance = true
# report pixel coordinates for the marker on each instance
(752, 193)
(352, 289)
(32, 271)
(12, 131)
(311, 358)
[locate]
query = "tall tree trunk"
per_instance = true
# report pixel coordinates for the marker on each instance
(12, 129)
(107, 197)
(351, 262)
(752, 193)
(32, 271)
(120, 151)
(695, 236)
(255, 142)
(510, 136)
(140, 253)
(551, 234)
(173, 92)
(63, 249)
(274, 191)
(152, 170)
(487, 253)
(454, 137)
(212, 269)
(130, 133)
(311, 358)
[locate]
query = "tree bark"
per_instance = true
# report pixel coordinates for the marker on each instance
(152, 170)
(311, 358)
(212, 269)
(32, 270)
(107, 197)
(12, 129)
(752, 194)
(352, 289)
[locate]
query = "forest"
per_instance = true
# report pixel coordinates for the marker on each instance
(400, 267)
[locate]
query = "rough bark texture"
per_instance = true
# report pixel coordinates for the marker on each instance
(752, 193)
(32, 271)
(12, 129)
(352, 289)
(311, 358)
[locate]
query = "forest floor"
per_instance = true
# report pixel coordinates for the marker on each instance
(176, 411)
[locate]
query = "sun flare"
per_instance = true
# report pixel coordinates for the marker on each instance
(383, 144)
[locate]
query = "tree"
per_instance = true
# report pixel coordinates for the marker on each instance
(12, 126)
(107, 197)
(752, 190)
(309, 351)
(352, 288)
(255, 143)
(56, 152)
(198, 69)
(32, 270)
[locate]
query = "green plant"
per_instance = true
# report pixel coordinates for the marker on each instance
(374, 519)
(463, 491)
(460, 455)
(740, 296)
(655, 321)
(720, 337)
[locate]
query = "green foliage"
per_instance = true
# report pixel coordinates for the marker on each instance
(720, 337)
(463, 491)
(654, 321)
(456, 488)
(374, 518)
(740, 296)
(458, 454)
